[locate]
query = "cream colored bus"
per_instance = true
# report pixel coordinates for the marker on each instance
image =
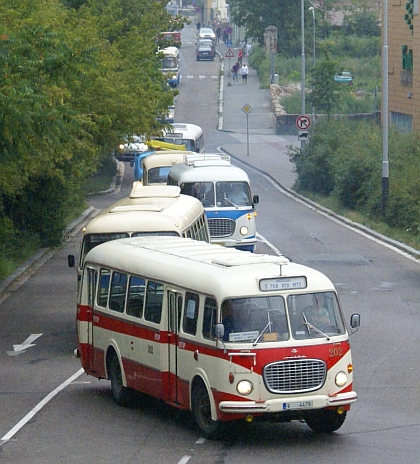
(152, 210)
(156, 167)
(225, 334)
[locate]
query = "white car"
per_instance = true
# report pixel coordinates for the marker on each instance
(207, 33)
(133, 146)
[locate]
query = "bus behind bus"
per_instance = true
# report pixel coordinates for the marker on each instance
(225, 192)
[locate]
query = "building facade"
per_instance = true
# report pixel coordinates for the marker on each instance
(403, 59)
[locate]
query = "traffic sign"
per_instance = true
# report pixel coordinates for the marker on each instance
(247, 108)
(303, 122)
(229, 54)
(303, 136)
(228, 30)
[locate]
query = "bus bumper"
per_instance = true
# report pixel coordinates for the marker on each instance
(288, 404)
(243, 245)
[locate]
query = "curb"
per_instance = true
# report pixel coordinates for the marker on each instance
(327, 212)
(71, 230)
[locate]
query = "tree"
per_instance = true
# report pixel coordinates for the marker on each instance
(326, 92)
(73, 82)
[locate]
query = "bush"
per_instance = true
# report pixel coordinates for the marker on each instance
(344, 162)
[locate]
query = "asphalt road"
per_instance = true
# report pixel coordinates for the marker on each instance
(52, 413)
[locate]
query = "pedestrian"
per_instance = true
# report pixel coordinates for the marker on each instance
(247, 49)
(198, 26)
(235, 69)
(244, 73)
(240, 56)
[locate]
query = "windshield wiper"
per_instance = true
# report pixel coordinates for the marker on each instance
(228, 201)
(310, 327)
(262, 333)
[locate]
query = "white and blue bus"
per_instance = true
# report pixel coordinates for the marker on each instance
(225, 193)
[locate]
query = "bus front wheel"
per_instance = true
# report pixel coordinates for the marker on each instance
(325, 420)
(201, 409)
(120, 393)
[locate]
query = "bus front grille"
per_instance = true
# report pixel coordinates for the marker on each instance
(221, 227)
(295, 376)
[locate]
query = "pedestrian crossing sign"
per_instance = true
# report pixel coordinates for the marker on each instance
(229, 54)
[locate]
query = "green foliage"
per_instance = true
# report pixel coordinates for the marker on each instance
(326, 93)
(75, 77)
(255, 17)
(350, 173)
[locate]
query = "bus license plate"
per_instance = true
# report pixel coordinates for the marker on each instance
(298, 405)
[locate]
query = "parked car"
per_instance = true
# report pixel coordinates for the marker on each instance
(205, 52)
(207, 33)
(344, 77)
(128, 150)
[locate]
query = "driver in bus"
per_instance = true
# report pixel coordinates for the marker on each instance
(237, 195)
(317, 314)
(227, 318)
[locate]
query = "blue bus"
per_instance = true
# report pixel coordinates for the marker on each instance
(225, 193)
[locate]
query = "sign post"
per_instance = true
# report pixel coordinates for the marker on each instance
(303, 123)
(247, 109)
(229, 54)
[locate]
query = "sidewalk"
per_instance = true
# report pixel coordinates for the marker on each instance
(254, 129)
(256, 143)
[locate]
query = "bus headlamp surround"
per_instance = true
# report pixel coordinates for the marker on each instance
(341, 379)
(243, 230)
(244, 387)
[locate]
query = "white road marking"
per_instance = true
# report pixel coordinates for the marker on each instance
(12, 432)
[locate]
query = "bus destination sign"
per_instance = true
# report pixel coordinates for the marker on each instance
(282, 283)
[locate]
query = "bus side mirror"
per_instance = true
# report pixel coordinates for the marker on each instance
(255, 199)
(71, 261)
(220, 330)
(355, 321)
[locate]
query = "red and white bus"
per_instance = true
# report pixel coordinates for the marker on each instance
(226, 334)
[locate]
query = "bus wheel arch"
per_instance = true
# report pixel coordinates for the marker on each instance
(203, 410)
(115, 373)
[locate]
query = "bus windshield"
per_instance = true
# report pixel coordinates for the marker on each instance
(221, 194)
(266, 319)
(170, 62)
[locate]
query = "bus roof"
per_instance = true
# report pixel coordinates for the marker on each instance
(148, 209)
(184, 129)
(174, 51)
(165, 158)
(208, 268)
(202, 172)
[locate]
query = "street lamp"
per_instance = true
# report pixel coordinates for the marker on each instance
(314, 56)
(302, 15)
(313, 26)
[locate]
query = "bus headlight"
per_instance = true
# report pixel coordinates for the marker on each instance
(244, 387)
(341, 379)
(243, 230)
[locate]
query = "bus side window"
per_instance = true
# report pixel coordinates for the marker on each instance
(154, 300)
(189, 322)
(103, 288)
(118, 291)
(135, 297)
(209, 318)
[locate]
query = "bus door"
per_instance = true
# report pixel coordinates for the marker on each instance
(175, 300)
(92, 276)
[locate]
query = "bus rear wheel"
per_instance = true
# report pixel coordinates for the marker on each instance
(120, 393)
(201, 409)
(325, 420)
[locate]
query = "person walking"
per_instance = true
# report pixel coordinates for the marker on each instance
(240, 56)
(244, 73)
(235, 69)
